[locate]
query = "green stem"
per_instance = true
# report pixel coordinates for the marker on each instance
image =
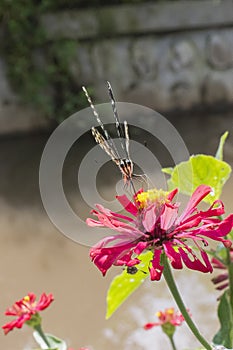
(230, 274)
(41, 333)
(172, 343)
(176, 295)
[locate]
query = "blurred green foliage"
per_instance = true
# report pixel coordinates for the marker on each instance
(39, 70)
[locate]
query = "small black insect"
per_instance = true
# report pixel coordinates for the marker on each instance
(132, 270)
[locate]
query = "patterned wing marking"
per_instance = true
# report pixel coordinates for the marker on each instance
(105, 146)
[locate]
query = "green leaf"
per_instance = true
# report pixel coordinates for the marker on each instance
(54, 342)
(219, 153)
(168, 171)
(199, 169)
(230, 235)
(125, 284)
(224, 335)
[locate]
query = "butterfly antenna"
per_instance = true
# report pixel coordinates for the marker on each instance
(126, 138)
(120, 132)
(106, 134)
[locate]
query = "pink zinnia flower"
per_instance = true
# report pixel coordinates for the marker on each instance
(156, 226)
(168, 317)
(25, 308)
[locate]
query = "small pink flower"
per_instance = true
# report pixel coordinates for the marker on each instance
(25, 308)
(155, 225)
(168, 317)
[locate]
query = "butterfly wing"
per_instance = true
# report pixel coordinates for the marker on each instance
(105, 145)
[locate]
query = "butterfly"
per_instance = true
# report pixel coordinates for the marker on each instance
(125, 163)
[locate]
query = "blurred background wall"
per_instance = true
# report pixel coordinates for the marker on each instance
(168, 55)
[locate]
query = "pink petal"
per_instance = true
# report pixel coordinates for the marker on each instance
(172, 194)
(131, 262)
(127, 260)
(140, 247)
(205, 258)
(194, 263)
(44, 302)
(104, 258)
(192, 222)
(124, 217)
(222, 229)
(151, 325)
(156, 269)
(223, 286)
(168, 217)
(220, 278)
(18, 323)
(173, 255)
(207, 215)
(110, 213)
(107, 219)
(93, 223)
(149, 218)
(213, 210)
(217, 264)
(201, 192)
(129, 206)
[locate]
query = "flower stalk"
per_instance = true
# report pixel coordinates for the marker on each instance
(176, 295)
(39, 330)
(172, 343)
(230, 276)
(230, 273)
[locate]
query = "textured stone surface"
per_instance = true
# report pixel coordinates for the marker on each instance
(168, 56)
(217, 88)
(169, 71)
(220, 50)
(138, 19)
(182, 55)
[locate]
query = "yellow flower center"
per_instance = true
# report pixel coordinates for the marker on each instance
(144, 199)
(170, 311)
(26, 298)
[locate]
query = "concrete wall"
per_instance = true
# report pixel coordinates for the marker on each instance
(165, 55)
(172, 55)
